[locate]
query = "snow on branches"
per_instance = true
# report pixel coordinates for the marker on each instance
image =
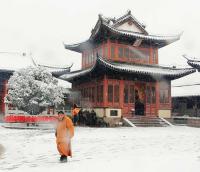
(33, 89)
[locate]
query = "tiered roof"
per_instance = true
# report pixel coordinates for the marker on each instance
(154, 71)
(111, 27)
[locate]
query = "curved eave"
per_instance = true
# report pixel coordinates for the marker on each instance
(7, 71)
(79, 47)
(5, 74)
(58, 73)
(70, 76)
(56, 68)
(153, 71)
(194, 64)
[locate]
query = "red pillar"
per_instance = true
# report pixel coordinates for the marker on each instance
(109, 47)
(157, 97)
(105, 91)
(150, 55)
(121, 94)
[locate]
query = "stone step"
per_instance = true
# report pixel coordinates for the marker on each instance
(148, 121)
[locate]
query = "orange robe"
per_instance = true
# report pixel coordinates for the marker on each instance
(75, 111)
(64, 133)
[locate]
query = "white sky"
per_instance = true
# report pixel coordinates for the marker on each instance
(40, 27)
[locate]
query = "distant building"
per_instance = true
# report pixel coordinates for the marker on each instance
(120, 75)
(6, 72)
(186, 100)
(186, 95)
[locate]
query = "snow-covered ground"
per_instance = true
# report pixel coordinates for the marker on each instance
(167, 149)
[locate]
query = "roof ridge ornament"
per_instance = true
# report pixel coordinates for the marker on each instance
(100, 16)
(129, 12)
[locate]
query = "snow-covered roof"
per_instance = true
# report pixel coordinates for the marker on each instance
(186, 86)
(168, 39)
(191, 61)
(195, 64)
(12, 61)
(111, 25)
(186, 90)
(152, 70)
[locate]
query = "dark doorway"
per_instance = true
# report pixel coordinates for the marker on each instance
(139, 106)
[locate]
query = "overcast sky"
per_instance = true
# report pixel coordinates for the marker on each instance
(40, 26)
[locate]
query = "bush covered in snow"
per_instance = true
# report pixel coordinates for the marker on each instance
(33, 89)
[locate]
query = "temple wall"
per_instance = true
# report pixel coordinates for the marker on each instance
(164, 113)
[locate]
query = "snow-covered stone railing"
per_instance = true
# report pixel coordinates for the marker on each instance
(129, 122)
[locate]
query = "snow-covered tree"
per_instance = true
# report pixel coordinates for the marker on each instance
(33, 89)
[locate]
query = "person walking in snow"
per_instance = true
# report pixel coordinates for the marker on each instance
(64, 133)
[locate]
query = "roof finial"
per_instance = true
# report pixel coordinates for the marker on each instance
(100, 16)
(128, 11)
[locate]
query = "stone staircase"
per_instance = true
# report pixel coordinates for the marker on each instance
(146, 121)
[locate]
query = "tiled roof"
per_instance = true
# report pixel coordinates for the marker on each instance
(168, 39)
(55, 71)
(111, 24)
(195, 64)
(151, 70)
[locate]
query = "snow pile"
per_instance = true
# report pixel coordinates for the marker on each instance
(167, 149)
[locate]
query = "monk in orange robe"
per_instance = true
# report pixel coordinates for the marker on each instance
(64, 133)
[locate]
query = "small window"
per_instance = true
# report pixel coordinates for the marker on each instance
(116, 93)
(120, 52)
(113, 113)
(100, 53)
(132, 94)
(101, 93)
(93, 94)
(153, 95)
(148, 94)
(89, 57)
(126, 52)
(112, 51)
(110, 93)
(164, 96)
(105, 51)
(126, 94)
(154, 57)
(86, 58)
(131, 53)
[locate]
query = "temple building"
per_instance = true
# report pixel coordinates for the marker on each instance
(120, 75)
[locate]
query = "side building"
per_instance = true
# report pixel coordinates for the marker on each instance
(6, 73)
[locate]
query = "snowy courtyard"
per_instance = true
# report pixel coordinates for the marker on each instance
(167, 149)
